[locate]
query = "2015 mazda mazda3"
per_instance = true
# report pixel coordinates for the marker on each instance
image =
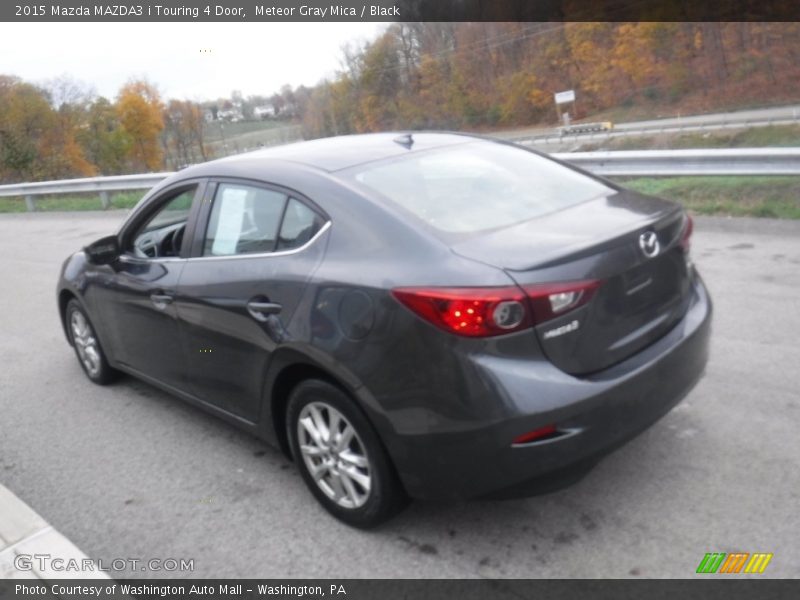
(423, 315)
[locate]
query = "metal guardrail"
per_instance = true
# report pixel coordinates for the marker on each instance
(98, 185)
(627, 163)
(670, 163)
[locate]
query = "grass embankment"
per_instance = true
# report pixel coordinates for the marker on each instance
(223, 139)
(772, 136)
(219, 130)
(771, 197)
(70, 202)
(643, 110)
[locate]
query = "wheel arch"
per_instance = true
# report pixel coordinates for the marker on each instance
(64, 297)
(287, 370)
(291, 367)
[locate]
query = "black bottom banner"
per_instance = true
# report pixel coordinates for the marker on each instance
(404, 589)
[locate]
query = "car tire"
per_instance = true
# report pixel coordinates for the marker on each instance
(330, 437)
(87, 346)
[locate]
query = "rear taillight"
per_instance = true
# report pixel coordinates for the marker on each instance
(686, 236)
(472, 312)
(484, 312)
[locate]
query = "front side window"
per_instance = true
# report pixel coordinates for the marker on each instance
(478, 186)
(162, 234)
(247, 220)
(244, 220)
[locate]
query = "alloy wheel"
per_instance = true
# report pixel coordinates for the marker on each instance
(334, 455)
(85, 343)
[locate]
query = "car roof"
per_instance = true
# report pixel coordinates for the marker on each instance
(337, 153)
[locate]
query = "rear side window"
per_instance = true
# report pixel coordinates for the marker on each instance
(247, 220)
(479, 186)
(300, 224)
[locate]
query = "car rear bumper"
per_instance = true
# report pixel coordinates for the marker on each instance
(595, 414)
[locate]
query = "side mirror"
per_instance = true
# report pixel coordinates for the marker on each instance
(104, 251)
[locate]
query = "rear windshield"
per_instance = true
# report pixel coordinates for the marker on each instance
(480, 186)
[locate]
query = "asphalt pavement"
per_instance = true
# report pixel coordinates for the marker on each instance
(128, 472)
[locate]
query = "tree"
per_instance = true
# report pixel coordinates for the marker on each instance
(106, 144)
(71, 100)
(139, 109)
(378, 85)
(35, 144)
(184, 133)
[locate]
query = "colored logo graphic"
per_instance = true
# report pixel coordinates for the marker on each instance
(736, 562)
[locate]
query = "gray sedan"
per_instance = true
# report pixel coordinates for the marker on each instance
(416, 315)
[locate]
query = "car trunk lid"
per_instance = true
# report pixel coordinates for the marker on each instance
(631, 245)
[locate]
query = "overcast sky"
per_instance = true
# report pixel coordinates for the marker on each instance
(255, 58)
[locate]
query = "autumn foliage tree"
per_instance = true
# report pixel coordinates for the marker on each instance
(24, 112)
(36, 141)
(106, 144)
(139, 110)
(184, 133)
(65, 130)
(69, 100)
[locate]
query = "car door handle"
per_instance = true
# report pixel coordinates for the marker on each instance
(161, 300)
(261, 310)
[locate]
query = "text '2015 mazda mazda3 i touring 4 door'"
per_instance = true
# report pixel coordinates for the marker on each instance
(421, 315)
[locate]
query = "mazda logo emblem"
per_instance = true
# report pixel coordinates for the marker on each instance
(648, 242)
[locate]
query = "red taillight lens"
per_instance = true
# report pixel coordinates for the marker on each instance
(484, 312)
(686, 236)
(471, 312)
(551, 300)
(542, 433)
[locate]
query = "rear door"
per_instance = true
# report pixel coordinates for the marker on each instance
(255, 250)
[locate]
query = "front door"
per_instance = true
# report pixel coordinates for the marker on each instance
(137, 301)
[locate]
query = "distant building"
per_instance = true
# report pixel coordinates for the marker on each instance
(265, 112)
(233, 115)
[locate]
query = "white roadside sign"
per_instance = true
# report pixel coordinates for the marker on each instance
(564, 97)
